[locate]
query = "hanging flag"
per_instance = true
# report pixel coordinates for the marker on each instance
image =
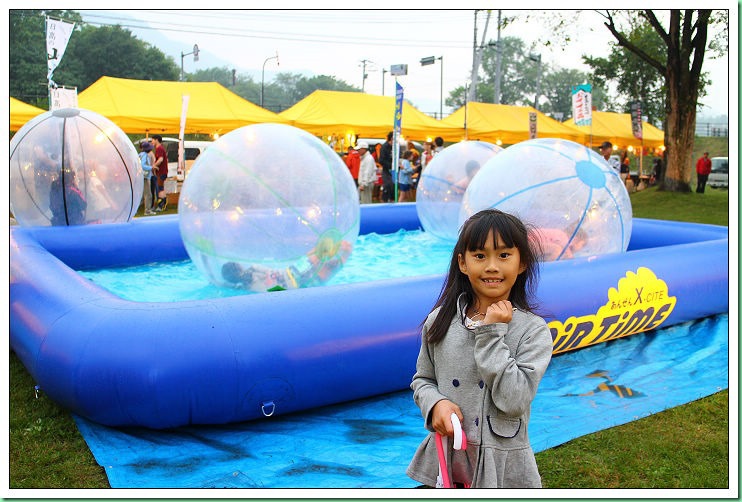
(397, 133)
(181, 149)
(582, 104)
(636, 119)
(57, 35)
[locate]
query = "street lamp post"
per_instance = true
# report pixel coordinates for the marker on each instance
(384, 71)
(536, 58)
(431, 60)
(262, 76)
(183, 55)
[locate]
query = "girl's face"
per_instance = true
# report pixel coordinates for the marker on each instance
(492, 271)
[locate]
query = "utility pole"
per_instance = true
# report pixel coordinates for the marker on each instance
(498, 64)
(474, 63)
(477, 57)
(365, 75)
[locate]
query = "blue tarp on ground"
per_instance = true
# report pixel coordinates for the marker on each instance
(369, 443)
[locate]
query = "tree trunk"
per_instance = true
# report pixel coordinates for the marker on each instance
(686, 46)
(680, 135)
(685, 53)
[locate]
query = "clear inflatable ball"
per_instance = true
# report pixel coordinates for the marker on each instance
(568, 192)
(73, 167)
(443, 183)
(268, 207)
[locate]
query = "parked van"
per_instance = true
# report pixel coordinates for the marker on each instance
(191, 150)
(719, 176)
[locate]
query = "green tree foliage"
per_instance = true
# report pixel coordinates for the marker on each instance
(556, 87)
(112, 51)
(520, 78)
(284, 91)
(91, 53)
(288, 89)
(221, 76)
(634, 78)
(684, 35)
(27, 49)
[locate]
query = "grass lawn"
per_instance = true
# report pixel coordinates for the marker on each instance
(684, 447)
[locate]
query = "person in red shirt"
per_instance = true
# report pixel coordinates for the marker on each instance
(160, 168)
(353, 161)
(703, 169)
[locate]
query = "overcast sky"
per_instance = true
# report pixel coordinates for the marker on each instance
(340, 42)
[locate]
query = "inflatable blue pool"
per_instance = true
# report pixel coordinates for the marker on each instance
(162, 365)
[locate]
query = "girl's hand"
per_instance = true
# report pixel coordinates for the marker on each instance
(441, 417)
(501, 311)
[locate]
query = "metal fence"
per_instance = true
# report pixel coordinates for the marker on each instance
(712, 129)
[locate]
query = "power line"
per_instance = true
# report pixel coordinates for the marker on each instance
(107, 20)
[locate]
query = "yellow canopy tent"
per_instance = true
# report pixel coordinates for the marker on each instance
(21, 112)
(154, 107)
(616, 128)
(507, 124)
(346, 115)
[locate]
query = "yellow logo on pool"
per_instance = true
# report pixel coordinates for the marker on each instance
(641, 303)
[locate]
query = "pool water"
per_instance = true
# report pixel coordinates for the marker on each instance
(404, 253)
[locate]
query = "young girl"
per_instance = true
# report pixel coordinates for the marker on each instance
(482, 357)
(405, 176)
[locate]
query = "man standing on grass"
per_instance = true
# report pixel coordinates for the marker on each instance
(160, 168)
(703, 169)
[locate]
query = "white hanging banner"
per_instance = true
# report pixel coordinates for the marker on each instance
(62, 97)
(181, 147)
(57, 35)
(582, 104)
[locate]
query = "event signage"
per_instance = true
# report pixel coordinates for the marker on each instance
(57, 35)
(636, 119)
(181, 136)
(582, 104)
(63, 97)
(398, 70)
(531, 125)
(640, 303)
(398, 104)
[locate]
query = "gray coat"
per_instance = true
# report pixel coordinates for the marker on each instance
(492, 373)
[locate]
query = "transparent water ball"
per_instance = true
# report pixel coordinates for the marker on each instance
(443, 183)
(73, 167)
(266, 207)
(567, 191)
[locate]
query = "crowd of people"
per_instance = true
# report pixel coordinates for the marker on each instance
(375, 179)
(373, 173)
(623, 168)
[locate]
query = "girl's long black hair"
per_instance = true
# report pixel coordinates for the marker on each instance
(472, 236)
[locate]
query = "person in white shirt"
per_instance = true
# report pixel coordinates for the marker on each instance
(606, 149)
(366, 173)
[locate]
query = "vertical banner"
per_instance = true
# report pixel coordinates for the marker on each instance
(181, 134)
(62, 97)
(57, 35)
(636, 119)
(397, 134)
(531, 125)
(582, 104)
(637, 130)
